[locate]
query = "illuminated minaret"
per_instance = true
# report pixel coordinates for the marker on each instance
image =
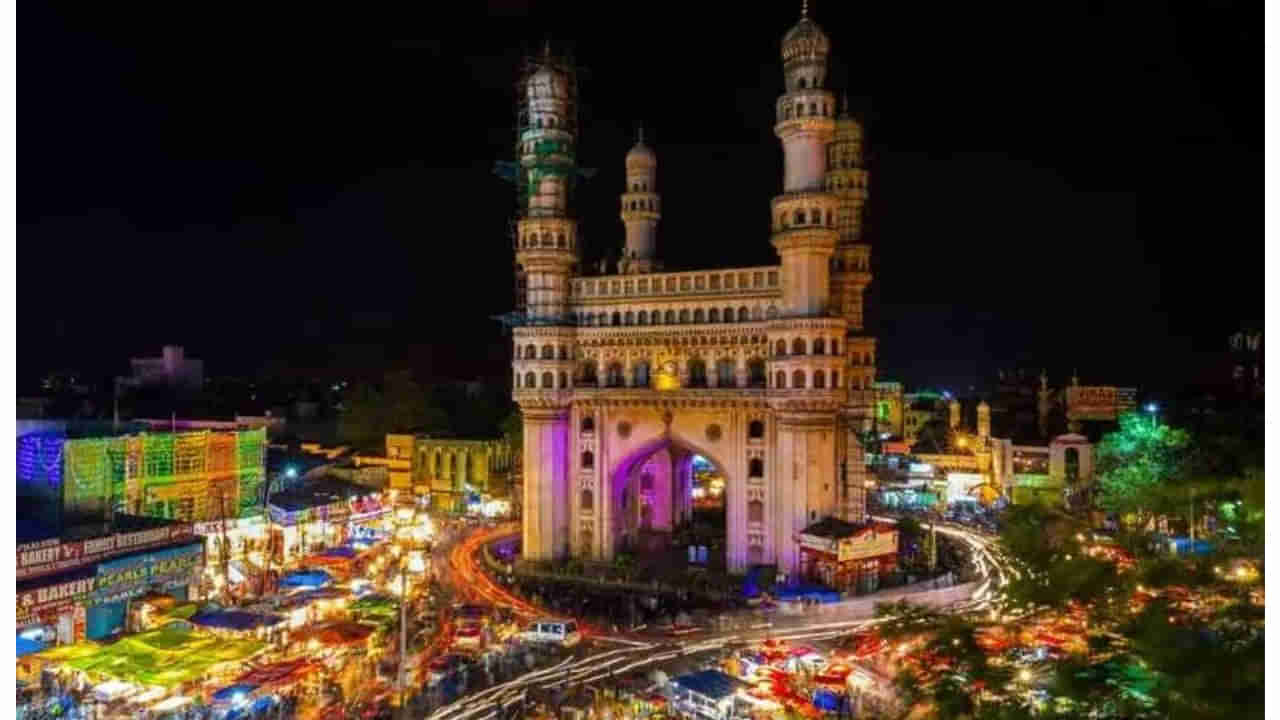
(847, 180)
(546, 234)
(547, 254)
(641, 210)
(804, 229)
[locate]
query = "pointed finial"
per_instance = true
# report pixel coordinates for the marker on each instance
(844, 98)
(641, 135)
(546, 48)
(804, 8)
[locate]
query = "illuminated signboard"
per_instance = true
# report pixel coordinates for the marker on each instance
(1099, 403)
(960, 485)
(921, 469)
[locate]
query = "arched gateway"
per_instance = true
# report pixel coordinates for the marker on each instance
(622, 377)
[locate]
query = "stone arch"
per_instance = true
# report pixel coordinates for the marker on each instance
(623, 499)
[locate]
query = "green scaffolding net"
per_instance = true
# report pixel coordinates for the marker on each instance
(88, 479)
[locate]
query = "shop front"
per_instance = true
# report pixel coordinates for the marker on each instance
(848, 557)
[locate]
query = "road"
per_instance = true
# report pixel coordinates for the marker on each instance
(608, 654)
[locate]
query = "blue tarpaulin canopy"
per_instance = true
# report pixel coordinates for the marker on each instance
(826, 700)
(711, 684)
(234, 693)
(819, 592)
(341, 551)
(26, 647)
(306, 578)
(234, 620)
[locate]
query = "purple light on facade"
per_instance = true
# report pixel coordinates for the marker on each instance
(40, 459)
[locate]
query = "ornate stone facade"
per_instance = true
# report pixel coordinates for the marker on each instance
(765, 371)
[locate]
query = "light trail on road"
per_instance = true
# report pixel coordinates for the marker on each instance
(491, 703)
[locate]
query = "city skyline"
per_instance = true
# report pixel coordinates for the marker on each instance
(329, 206)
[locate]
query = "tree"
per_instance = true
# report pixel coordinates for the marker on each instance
(1139, 467)
(512, 429)
(398, 403)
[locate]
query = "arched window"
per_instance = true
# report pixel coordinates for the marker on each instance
(866, 358)
(564, 352)
(799, 217)
(588, 374)
(548, 352)
(755, 373)
(546, 239)
(587, 501)
(530, 352)
(819, 379)
(801, 83)
(835, 379)
(743, 314)
(617, 319)
(830, 219)
(548, 380)
(655, 317)
(819, 346)
(629, 319)
(530, 380)
(713, 315)
(724, 373)
(813, 108)
(697, 372)
(613, 377)
(755, 468)
(560, 240)
(815, 216)
(698, 316)
(587, 540)
(684, 316)
(517, 380)
(671, 317)
(640, 374)
(588, 424)
(780, 381)
(588, 460)
(728, 314)
(564, 379)
(835, 347)
(635, 187)
(797, 379)
(755, 512)
(797, 346)
(755, 431)
(780, 348)
(642, 318)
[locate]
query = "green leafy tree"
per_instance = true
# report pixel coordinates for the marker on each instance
(512, 429)
(1138, 467)
(398, 403)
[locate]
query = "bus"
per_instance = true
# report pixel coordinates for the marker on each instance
(562, 632)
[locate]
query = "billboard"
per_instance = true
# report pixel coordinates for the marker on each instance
(1099, 403)
(50, 556)
(959, 486)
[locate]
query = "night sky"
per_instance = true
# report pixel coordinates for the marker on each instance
(1059, 185)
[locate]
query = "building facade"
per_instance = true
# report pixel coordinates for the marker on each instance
(623, 377)
(457, 471)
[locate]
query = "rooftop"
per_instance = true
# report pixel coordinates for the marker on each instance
(711, 683)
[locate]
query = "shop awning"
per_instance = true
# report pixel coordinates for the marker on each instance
(26, 647)
(339, 633)
(306, 579)
(234, 620)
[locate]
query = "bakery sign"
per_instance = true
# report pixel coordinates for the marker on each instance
(61, 593)
(51, 556)
(872, 543)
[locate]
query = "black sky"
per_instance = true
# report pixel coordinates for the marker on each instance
(1061, 185)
